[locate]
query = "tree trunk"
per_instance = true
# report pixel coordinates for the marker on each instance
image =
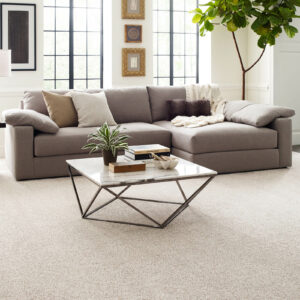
(244, 70)
(244, 85)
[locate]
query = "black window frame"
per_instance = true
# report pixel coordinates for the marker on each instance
(171, 50)
(71, 44)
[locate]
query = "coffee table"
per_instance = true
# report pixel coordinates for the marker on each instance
(95, 171)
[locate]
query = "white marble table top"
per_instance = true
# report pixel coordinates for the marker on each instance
(95, 170)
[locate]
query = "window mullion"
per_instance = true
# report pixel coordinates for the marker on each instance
(171, 44)
(71, 46)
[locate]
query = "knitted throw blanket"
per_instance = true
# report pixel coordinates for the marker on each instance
(209, 92)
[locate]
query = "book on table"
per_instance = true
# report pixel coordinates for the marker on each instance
(141, 152)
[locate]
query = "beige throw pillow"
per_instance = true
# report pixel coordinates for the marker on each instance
(92, 109)
(61, 109)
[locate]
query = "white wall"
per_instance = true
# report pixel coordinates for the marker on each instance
(286, 77)
(12, 88)
(114, 41)
(225, 65)
(259, 78)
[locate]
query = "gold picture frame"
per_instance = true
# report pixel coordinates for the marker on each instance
(133, 62)
(133, 9)
(133, 33)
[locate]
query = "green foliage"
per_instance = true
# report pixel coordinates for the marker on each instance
(108, 139)
(268, 18)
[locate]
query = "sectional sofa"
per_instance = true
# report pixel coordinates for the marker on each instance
(225, 147)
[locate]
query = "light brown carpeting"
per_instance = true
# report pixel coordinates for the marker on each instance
(240, 239)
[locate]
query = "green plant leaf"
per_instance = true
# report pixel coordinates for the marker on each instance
(208, 26)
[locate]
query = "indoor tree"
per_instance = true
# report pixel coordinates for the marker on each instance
(268, 19)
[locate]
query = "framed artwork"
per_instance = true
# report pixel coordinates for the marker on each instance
(18, 33)
(133, 9)
(133, 33)
(133, 61)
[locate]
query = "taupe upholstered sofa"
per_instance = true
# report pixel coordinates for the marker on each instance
(225, 147)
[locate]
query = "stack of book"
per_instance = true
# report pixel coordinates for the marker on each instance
(143, 152)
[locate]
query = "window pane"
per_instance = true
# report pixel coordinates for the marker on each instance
(80, 67)
(190, 80)
(178, 4)
(179, 44)
(191, 65)
(49, 85)
(62, 67)
(63, 3)
(94, 67)
(94, 84)
(155, 44)
(49, 2)
(49, 43)
(79, 84)
(178, 81)
(49, 18)
(164, 81)
(178, 66)
(79, 43)
(164, 66)
(191, 44)
(163, 43)
(49, 67)
(62, 19)
(154, 66)
(62, 43)
(179, 22)
(62, 84)
(94, 43)
(79, 3)
(154, 21)
(190, 27)
(94, 3)
(163, 19)
(94, 19)
(190, 4)
(163, 4)
(79, 19)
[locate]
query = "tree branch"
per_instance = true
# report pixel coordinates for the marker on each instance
(262, 53)
(238, 51)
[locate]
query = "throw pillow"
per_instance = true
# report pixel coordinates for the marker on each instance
(198, 108)
(28, 117)
(260, 115)
(61, 109)
(92, 109)
(176, 107)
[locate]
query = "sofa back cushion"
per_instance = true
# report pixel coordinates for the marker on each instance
(129, 104)
(34, 99)
(159, 96)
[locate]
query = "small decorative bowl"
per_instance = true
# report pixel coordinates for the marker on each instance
(166, 164)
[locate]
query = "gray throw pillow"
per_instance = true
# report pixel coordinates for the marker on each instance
(259, 115)
(28, 117)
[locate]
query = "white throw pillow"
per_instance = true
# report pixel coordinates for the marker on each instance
(92, 109)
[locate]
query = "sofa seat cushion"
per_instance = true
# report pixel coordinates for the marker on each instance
(221, 137)
(70, 140)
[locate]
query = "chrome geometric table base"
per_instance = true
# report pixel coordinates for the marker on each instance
(87, 213)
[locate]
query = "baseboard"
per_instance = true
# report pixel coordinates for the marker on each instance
(2, 155)
(296, 137)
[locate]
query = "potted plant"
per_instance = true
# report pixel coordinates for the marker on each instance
(268, 20)
(110, 141)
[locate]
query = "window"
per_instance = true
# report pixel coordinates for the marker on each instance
(73, 44)
(176, 42)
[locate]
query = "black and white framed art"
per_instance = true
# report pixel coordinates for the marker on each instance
(18, 33)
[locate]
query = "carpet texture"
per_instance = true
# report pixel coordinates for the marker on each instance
(239, 239)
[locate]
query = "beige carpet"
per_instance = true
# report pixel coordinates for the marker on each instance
(240, 239)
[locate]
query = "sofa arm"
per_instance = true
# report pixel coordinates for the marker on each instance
(19, 151)
(283, 126)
